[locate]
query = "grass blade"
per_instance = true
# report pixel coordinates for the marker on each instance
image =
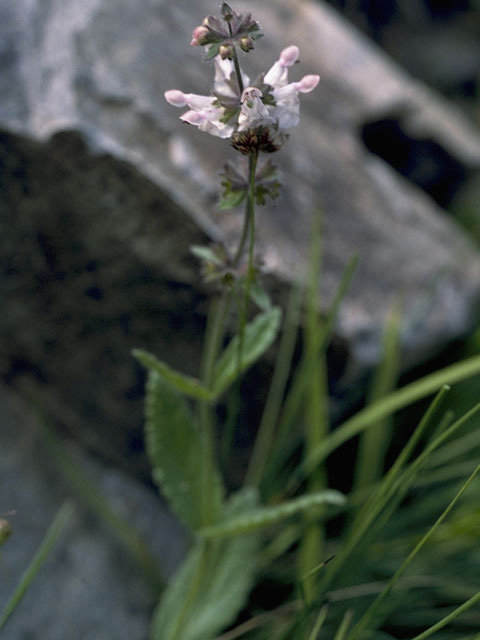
(370, 518)
(315, 417)
(53, 533)
(451, 616)
(282, 446)
(341, 633)
(271, 412)
(87, 491)
(392, 403)
(318, 623)
(374, 441)
(374, 607)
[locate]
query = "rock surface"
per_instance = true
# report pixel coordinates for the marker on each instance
(104, 190)
(89, 587)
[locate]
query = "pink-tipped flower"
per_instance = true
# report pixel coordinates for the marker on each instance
(288, 102)
(277, 75)
(307, 83)
(204, 112)
(176, 98)
(272, 106)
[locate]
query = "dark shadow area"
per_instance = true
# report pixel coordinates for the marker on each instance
(423, 161)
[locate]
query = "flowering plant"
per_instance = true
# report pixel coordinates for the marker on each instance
(253, 116)
(229, 541)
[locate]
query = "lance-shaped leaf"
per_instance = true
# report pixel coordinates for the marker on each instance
(237, 357)
(187, 385)
(212, 585)
(264, 516)
(175, 449)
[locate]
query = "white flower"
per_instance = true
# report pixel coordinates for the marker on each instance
(204, 113)
(225, 83)
(287, 110)
(276, 104)
(253, 113)
(277, 76)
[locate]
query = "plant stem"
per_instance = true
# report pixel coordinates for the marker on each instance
(250, 212)
(243, 239)
(236, 64)
(249, 220)
(216, 331)
(248, 233)
(213, 340)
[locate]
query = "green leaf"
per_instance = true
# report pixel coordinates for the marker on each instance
(212, 585)
(175, 449)
(259, 295)
(212, 51)
(206, 254)
(259, 335)
(231, 198)
(187, 385)
(265, 516)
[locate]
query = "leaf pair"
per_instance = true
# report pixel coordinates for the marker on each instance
(258, 336)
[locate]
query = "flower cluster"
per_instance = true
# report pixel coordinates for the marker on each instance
(253, 116)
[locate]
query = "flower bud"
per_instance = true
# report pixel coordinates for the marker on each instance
(198, 36)
(176, 98)
(193, 117)
(227, 12)
(207, 21)
(246, 43)
(307, 83)
(226, 51)
(289, 56)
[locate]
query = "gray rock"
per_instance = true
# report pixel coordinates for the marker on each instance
(89, 586)
(105, 190)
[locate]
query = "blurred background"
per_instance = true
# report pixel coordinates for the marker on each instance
(437, 42)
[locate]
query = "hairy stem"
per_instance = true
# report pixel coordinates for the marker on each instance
(236, 64)
(213, 341)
